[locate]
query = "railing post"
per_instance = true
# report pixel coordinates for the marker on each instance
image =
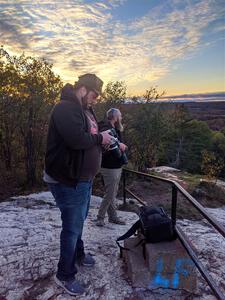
(124, 188)
(175, 188)
(174, 204)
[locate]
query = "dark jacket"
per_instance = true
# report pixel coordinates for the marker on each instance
(109, 160)
(68, 138)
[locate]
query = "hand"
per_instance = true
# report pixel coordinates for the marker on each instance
(123, 147)
(106, 137)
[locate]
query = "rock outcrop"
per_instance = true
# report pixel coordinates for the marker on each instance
(29, 250)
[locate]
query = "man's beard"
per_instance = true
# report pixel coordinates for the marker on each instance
(85, 101)
(119, 126)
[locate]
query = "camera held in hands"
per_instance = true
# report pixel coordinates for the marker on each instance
(115, 147)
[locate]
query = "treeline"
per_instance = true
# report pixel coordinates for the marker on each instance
(158, 136)
(29, 89)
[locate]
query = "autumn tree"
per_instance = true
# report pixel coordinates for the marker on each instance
(29, 88)
(115, 92)
(114, 95)
(146, 130)
(218, 149)
(211, 166)
(152, 94)
(178, 121)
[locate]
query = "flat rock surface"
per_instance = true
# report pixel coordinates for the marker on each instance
(29, 249)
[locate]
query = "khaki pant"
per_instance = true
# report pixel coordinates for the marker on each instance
(111, 179)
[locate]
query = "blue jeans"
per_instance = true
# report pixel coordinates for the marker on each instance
(73, 203)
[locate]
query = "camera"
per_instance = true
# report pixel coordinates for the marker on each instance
(115, 148)
(124, 158)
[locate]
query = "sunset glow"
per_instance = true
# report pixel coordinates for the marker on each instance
(177, 45)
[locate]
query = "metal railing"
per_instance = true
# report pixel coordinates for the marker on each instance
(175, 189)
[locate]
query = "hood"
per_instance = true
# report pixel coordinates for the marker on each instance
(67, 93)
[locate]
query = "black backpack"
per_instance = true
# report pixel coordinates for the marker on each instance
(154, 224)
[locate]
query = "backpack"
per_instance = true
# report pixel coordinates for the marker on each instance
(154, 225)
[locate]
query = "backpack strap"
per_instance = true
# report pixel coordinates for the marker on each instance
(129, 233)
(144, 249)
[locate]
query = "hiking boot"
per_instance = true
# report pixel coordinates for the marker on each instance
(87, 260)
(100, 222)
(117, 221)
(72, 287)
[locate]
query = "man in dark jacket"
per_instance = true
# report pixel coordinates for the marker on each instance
(73, 158)
(111, 168)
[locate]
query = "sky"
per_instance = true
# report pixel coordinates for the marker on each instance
(176, 45)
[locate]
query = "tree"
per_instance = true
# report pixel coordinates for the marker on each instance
(9, 110)
(197, 138)
(152, 94)
(218, 149)
(160, 136)
(113, 96)
(115, 92)
(146, 130)
(211, 166)
(178, 121)
(27, 93)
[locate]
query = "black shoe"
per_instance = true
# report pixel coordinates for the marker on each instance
(100, 222)
(117, 221)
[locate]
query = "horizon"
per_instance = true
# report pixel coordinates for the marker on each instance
(216, 96)
(177, 46)
(198, 97)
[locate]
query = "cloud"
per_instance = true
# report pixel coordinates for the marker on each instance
(83, 37)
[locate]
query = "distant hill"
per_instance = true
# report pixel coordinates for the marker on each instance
(200, 97)
(211, 112)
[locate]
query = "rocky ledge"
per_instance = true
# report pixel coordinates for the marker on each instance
(29, 250)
